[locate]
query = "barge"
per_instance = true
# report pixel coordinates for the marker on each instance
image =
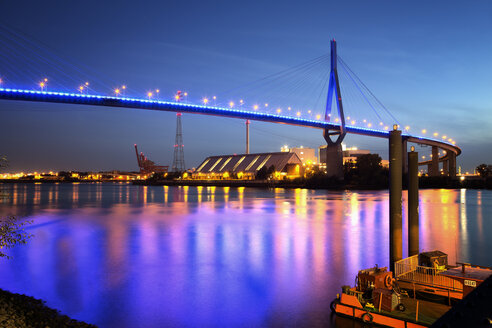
(421, 290)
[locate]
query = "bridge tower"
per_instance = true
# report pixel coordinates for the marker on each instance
(178, 159)
(334, 153)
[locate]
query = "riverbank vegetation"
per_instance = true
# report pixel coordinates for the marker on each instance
(21, 311)
(16, 310)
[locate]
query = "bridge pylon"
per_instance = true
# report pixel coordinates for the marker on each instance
(334, 153)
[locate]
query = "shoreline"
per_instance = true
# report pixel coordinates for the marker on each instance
(18, 310)
(424, 183)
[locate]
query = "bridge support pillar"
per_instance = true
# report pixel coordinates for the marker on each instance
(395, 196)
(434, 166)
(452, 164)
(334, 158)
(445, 167)
(413, 202)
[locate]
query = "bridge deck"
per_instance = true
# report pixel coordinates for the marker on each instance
(126, 102)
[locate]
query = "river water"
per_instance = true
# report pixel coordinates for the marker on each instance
(118, 255)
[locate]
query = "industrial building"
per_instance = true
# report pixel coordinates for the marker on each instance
(350, 154)
(246, 166)
(306, 155)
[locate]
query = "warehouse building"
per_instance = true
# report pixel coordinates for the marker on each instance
(285, 165)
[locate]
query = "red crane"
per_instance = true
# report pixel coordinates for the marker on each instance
(147, 166)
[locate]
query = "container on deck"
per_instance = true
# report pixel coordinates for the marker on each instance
(433, 259)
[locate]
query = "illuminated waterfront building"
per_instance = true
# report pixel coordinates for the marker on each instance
(246, 166)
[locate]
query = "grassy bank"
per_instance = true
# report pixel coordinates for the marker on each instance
(19, 311)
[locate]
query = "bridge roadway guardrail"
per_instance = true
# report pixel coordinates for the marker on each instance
(127, 102)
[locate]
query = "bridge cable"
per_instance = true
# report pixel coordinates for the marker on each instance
(372, 94)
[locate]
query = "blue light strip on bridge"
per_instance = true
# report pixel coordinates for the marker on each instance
(127, 102)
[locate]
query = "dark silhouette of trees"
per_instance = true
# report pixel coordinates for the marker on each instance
(262, 173)
(265, 173)
(367, 171)
(484, 170)
(11, 231)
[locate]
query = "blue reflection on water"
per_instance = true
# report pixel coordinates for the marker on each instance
(118, 255)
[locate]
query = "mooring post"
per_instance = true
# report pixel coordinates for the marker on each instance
(404, 152)
(413, 202)
(395, 194)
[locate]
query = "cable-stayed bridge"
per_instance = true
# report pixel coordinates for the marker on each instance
(330, 118)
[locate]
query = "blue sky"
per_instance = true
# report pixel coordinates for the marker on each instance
(428, 62)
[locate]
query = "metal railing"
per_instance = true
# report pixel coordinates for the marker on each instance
(406, 266)
(409, 270)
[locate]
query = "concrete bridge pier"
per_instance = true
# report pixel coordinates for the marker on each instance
(445, 167)
(434, 165)
(334, 156)
(452, 164)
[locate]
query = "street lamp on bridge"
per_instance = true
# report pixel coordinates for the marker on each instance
(44, 84)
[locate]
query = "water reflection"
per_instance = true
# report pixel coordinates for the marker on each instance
(118, 255)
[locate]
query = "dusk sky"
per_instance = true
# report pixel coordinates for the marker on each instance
(428, 62)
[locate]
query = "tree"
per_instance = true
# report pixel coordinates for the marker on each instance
(262, 173)
(12, 233)
(265, 173)
(369, 169)
(484, 170)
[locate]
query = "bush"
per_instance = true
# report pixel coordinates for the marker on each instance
(12, 233)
